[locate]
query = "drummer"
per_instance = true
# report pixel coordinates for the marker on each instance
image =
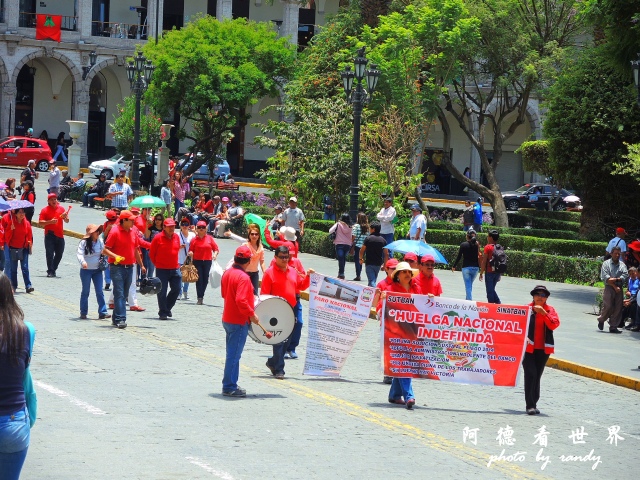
(238, 311)
(282, 280)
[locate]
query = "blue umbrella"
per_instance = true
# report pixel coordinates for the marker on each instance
(17, 204)
(4, 205)
(419, 248)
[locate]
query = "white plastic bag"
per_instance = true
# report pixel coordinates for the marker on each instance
(215, 277)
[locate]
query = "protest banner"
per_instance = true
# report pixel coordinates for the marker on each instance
(453, 340)
(337, 312)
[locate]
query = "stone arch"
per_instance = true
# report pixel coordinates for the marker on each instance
(4, 74)
(75, 72)
(535, 122)
(101, 65)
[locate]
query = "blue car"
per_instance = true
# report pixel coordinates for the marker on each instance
(221, 170)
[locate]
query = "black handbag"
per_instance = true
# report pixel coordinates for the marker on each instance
(103, 264)
(16, 254)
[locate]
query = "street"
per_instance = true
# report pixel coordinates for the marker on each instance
(146, 402)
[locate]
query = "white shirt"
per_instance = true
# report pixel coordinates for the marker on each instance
(385, 217)
(184, 244)
(418, 222)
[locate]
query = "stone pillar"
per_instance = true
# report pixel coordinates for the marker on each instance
(224, 9)
(81, 113)
(12, 14)
(9, 92)
(163, 161)
(290, 17)
(152, 14)
(84, 14)
(76, 130)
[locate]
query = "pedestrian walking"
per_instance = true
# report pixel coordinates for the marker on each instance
(112, 218)
(53, 217)
(90, 250)
(469, 251)
(186, 235)
(60, 146)
(15, 356)
(614, 274)
(372, 253)
(29, 194)
(122, 242)
(237, 312)
(359, 232)
(342, 241)
(294, 217)
(164, 255)
(165, 194)
(477, 215)
(120, 193)
(467, 216)
(544, 320)
(254, 242)
(492, 277)
(55, 177)
(418, 224)
(203, 250)
(18, 238)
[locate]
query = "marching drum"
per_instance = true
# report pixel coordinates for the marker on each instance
(276, 316)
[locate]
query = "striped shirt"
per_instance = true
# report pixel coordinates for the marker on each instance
(123, 192)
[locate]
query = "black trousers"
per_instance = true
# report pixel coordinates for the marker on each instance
(54, 248)
(533, 365)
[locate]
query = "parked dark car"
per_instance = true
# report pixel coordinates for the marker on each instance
(221, 169)
(538, 195)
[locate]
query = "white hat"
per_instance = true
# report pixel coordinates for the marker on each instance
(293, 199)
(289, 233)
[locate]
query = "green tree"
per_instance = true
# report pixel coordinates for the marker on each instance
(520, 51)
(592, 113)
(123, 126)
(214, 71)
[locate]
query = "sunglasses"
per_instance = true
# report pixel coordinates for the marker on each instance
(430, 265)
(201, 228)
(282, 257)
(540, 294)
(254, 234)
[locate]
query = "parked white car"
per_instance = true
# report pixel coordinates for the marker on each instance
(110, 167)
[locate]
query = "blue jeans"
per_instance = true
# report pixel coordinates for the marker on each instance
(54, 248)
(171, 280)
(203, 267)
(121, 277)
(469, 275)
(388, 237)
(372, 274)
(107, 276)
(329, 216)
(60, 151)
(146, 261)
(14, 443)
(294, 339)
(13, 268)
(87, 199)
(356, 260)
(490, 282)
(86, 277)
(177, 204)
(236, 338)
(401, 387)
(341, 254)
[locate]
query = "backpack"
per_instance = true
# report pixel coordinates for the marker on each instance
(499, 259)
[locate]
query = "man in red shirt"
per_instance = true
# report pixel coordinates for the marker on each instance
(123, 243)
(237, 292)
(492, 278)
(53, 217)
(429, 283)
(164, 255)
(283, 281)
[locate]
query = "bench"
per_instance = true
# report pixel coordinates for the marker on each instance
(216, 185)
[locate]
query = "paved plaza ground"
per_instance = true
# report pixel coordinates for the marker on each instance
(146, 403)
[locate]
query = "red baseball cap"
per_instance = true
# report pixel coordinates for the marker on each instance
(410, 257)
(391, 263)
(111, 214)
(169, 222)
(201, 223)
(243, 252)
(135, 210)
(52, 195)
(620, 231)
(125, 214)
(427, 258)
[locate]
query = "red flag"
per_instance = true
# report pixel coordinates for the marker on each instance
(48, 27)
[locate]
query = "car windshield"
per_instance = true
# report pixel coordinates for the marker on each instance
(523, 189)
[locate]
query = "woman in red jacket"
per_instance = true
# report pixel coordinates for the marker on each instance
(203, 250)
(19, 240)
(544, 320)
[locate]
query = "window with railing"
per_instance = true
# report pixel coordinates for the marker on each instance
(28, 20)
(118, 30)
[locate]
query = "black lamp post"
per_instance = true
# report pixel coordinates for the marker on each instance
(93, 56)
(139, 73)
(358, 97)
(635, 64)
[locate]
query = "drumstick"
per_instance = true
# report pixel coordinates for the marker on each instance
(67, 212)
(266, 332)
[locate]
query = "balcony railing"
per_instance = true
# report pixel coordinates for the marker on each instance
(28, 20)
(118, 30)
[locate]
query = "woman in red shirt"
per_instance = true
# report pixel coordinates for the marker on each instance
(19, 240)
(544, 320)
(203, 250)
(401, 391)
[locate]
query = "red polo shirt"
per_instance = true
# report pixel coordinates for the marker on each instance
(20, 236)
(284, 283)
(164, 251)
(203, 248)
(49, 213)
(429, 284)
(122, 243)
(384, 284)
(141, 224)
(237, 292)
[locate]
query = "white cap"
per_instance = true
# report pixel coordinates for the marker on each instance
(293, 199)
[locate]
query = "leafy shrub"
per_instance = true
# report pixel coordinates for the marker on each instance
(319, 225)
(568, 248)
(530, 232)
(565, 216)
(521, 220)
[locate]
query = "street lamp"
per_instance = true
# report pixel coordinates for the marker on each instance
(139, 72)
(358, 97)
(93, 56)
(635, 64)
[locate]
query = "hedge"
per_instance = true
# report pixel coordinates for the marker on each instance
(521, 220)
(566, 216)
(567, 248)
(530, 232)
(541, 266)
(520, 264)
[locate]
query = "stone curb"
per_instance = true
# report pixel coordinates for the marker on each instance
(557, 363)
